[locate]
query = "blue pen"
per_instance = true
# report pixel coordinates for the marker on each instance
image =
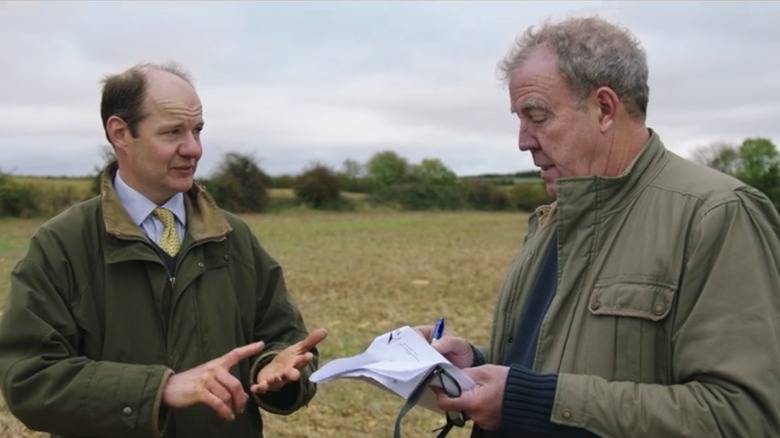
(438, 330)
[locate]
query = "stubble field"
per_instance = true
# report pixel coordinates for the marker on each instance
(359, 275)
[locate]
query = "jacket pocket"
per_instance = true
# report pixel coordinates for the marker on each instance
(650, 301)
(629, 324)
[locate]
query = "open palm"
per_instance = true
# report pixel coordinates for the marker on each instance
(286, 366)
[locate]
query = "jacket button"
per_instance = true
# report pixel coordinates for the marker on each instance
(595, 305)
(226, 257)
(200, 265)
(127, 410)
(566, 414)
(659, 309)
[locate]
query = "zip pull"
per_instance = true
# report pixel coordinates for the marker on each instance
(173, 281)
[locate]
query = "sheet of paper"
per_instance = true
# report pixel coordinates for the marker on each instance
(397, 361)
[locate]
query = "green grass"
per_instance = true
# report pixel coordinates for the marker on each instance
(358, 275)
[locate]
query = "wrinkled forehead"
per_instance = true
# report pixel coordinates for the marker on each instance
(190, 112)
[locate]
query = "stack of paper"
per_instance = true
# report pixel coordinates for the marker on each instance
(397, 361)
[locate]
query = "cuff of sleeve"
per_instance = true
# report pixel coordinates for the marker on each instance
(528, 402)
(288, 399)
(160, 411)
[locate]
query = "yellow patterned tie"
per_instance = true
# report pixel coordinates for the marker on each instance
(169, 242)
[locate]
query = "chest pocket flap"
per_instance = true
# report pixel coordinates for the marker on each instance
(646, 300)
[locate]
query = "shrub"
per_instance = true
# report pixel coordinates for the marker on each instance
(317, 186)
(239, 185)
(482, 195)
(419, 197)
(432, 171)
(352, 177)
(385, 169)
(15, 199)
(353, 184)
(51, 199)
(526, 196)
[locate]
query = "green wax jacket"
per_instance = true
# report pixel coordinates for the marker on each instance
(94, 325)
(666, 319)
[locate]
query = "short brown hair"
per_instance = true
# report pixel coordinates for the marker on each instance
(124, 93)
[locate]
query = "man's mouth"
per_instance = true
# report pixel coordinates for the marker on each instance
(183, 169)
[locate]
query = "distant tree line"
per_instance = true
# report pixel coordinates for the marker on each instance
(45, 197)
(386, 180)
(756, 162)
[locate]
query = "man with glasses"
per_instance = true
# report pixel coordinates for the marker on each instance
(645, 301)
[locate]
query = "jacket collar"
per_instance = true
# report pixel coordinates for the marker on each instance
(204, 219)
(608, 194)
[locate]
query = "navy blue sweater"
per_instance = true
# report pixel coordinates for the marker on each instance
(529, 396)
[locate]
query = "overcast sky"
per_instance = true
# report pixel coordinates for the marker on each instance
(296, 83)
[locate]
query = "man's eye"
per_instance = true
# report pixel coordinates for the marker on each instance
(537, 116)
(171, 132)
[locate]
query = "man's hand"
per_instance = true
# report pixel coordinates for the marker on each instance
(212, 384)
(483, 403)
(454, 349)
(286, 366)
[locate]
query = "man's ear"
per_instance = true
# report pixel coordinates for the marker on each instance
(608, 103)
(118, 132)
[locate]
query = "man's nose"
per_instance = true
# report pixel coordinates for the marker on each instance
(525, 138)
(191, 146)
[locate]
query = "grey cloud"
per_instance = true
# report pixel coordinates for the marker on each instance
(323, 81)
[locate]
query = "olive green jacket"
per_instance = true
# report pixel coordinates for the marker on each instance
(94, 325)
(666, 318)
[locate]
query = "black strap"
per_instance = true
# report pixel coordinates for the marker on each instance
(413, 399)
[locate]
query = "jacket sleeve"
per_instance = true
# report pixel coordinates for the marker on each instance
(46, 382)
(279, 324)
(725, 341)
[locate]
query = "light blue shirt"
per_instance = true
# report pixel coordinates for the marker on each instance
(139, 207)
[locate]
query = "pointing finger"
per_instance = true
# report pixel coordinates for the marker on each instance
(235, 355)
